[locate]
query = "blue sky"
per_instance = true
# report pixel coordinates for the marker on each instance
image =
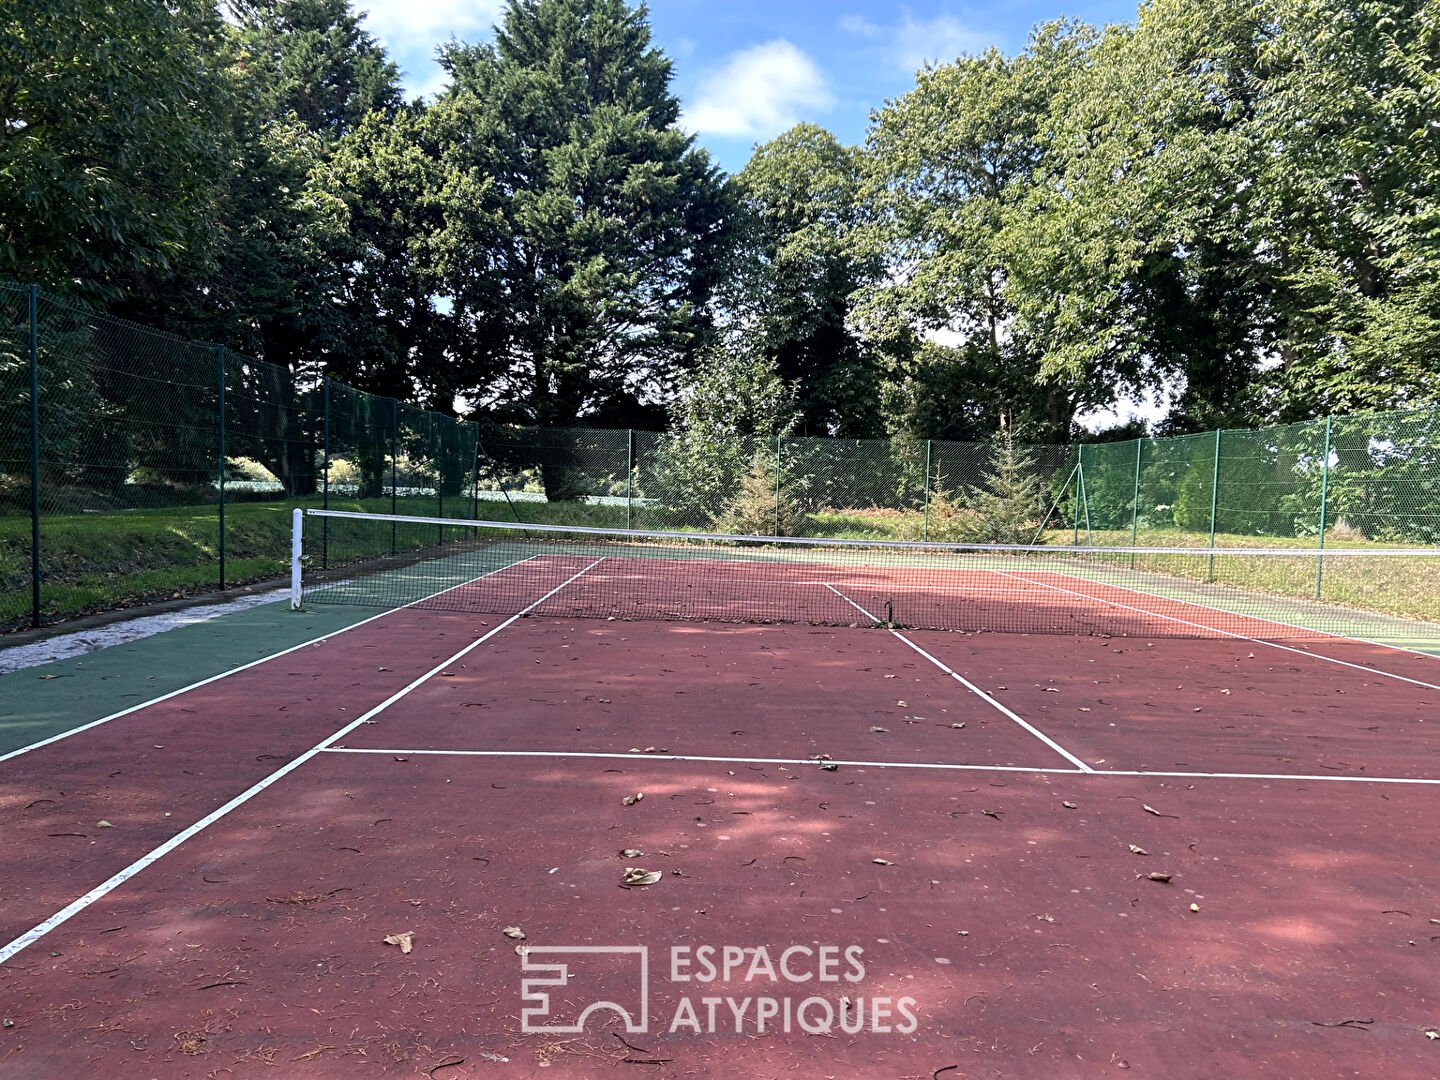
(747, 70)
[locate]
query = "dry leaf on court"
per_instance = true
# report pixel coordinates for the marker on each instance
(522, 950)
(631, 853)
(878, 730)
(514, 932)
(1138, 850)
(882, 862)
(406, 941)
(631, 800)
(1069, 805)
(1149, 809)
(103, 825)
(958, 726)
(1156, 875)
(1194, 907)
(829, 766)
(892, 676)
(1049, 689)
(636, 875)
(902, 704)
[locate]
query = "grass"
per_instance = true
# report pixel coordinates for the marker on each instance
(95, 562)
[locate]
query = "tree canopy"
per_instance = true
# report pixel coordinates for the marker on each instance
(1233, 205)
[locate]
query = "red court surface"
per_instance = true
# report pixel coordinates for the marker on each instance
(260, 943)
(994, 874)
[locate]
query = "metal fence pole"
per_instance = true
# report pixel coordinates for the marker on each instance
(1079, 488)
(1324, 494)
(1135, 503)
(439, 478)
(394, 464)
(1214, 501)
(220, 352)
(475, 481)
(32, 305)
(777, 486)
(925, 525)
(629, 470)
(325, 479)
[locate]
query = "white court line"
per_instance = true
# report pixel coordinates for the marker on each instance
(943, 766)
(812, 762)
(243, 667)
(1031, 728)
(115, 881)
(1229, 633)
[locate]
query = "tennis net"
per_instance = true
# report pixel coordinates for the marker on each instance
(384, 561)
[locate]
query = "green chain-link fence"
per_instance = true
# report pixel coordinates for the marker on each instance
(167, 468)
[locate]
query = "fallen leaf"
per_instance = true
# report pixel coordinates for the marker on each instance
(902, 704)
(882, 862)
(877, 730)
(1069, 805)
(1156, 875)
(1049, 689)
(1431, 1033)
(829, 766)
(631, 800)
(514, 932)
(631, 853)
(406, 941)
(636, 875)
(103, 825)
(1149, 809)
(1194, 907)
(1138, 850)
(958, 726)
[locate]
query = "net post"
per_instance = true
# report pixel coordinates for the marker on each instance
(220, 356)
(1214, 502)
(1324, 494)
(629, 470)
(1135, 503)
(325, 479)
(394, 464)
(777, 484)
(925, 524)
(31, 294)
(297, 550)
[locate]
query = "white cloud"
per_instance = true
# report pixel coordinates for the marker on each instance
(911, 44)
(404, 24)
(759, 93)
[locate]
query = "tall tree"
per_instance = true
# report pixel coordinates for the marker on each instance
(587, 228)
(792, 298)
(954, 161)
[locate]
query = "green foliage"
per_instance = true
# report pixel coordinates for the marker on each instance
(586, 226)
(791, 297)
(94, 189)
(760, 507)
(1005, 508)
(730, 408)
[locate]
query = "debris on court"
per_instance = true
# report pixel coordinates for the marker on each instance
(406, 941)
(631, 853)
(1156, 875)
(878, 730)
(1138, 850)
(637, 875)
(103, 825)
(1195, 907)
(514, 932)
(1069, 806)
(631, 800)
(882, 862)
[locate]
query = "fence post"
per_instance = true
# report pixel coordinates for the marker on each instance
(1324, 494)
(220, 354)
(325, 479)
(34, 334)
(437, 424)
(629, 470)
(394, 464)
(475, 480)
(925, 525)
(1135, 503)
(1214, 502)
(1079, 488)
(777, 485)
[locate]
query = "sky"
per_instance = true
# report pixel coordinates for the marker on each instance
(746, 70)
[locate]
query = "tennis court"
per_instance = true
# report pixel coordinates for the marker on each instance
(1057, 814)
